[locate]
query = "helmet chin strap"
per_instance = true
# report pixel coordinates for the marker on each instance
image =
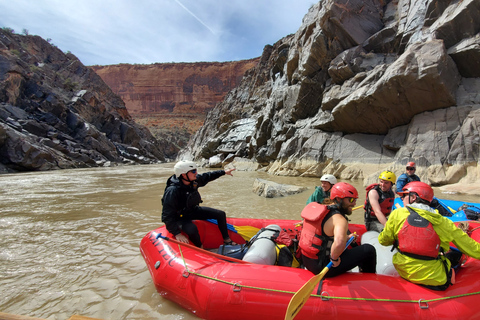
(187, 178)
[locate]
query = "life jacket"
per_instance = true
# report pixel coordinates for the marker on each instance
(412, 178)
(385, 199)
(417, 238)
(327, 200)
(312, 241)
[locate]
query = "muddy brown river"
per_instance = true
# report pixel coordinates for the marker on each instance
(70, 239)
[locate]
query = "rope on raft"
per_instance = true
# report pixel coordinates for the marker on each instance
(237, 287)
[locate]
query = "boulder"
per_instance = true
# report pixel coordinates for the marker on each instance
(269, 189)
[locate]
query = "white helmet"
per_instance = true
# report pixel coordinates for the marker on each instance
(183, 167)
(329, 178)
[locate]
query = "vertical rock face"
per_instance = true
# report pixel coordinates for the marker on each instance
(361, 87)
(173, 87)
(172, 99)
(56, 113)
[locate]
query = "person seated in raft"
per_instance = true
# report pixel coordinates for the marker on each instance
(322, 193)
(408, 176)
(421, 259)
(181, 203)
(325, 233)
(379, 201)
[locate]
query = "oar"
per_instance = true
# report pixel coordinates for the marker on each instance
(247, 232)
(188, 245)
(301, 296)
(355, 208)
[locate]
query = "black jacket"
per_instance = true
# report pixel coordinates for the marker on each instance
(180, 200)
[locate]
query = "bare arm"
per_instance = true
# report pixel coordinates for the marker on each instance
(337, 226)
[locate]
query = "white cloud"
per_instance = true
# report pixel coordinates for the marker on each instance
(149, 31)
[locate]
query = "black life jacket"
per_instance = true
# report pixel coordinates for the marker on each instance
(417, 238)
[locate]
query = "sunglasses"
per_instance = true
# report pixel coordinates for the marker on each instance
(403, 195)
(193, 171)
(352, 200)
(410, 168)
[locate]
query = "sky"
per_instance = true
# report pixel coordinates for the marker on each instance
(107, 32)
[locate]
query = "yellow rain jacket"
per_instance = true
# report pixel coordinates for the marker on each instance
(427, 272)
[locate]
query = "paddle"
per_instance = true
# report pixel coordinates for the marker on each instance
(188, 245)
(301, 296)
(355, 208)
(247, 232)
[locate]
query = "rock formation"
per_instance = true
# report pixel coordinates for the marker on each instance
(270, 189)
(56, 113)
(172, 99)
(362, 86)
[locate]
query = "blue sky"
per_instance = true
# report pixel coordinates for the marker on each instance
(149, 31)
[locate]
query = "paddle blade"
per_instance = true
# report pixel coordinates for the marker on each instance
(301, 296)
(247, 232)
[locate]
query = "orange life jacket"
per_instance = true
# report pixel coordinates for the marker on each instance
(312, 240)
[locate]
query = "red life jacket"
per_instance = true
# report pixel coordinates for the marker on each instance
(417, 238)
(312, 241)
(385, 200)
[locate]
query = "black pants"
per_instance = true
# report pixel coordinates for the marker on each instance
(203, 213)
(364, 256)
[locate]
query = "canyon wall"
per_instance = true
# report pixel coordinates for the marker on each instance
(173, 87)
(361, 87)
(56, 113)
(172, 99)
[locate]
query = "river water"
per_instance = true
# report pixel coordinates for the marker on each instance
(70, 239)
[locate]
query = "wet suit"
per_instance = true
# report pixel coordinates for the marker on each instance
(181, 205)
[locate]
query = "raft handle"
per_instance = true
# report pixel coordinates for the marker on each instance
(324, 295)
(236, 287)
(423, 304)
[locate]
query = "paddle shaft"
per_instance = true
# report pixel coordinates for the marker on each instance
(301, 296)
(213, 254)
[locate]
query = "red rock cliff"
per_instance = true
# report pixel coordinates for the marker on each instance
(173, 87)
(172, 99)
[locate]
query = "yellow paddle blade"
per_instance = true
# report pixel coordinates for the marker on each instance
(302, 295)
(247, 232)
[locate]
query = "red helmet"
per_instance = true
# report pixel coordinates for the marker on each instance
(343, 190)
(411, 164)
(423, 190)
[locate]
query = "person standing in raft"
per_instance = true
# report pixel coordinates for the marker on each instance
(181, 203)
(379, 202)
(422, 236)
(325, 233)
(408, 176)
(322, 194)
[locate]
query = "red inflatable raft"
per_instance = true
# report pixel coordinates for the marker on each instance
(215, 287)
